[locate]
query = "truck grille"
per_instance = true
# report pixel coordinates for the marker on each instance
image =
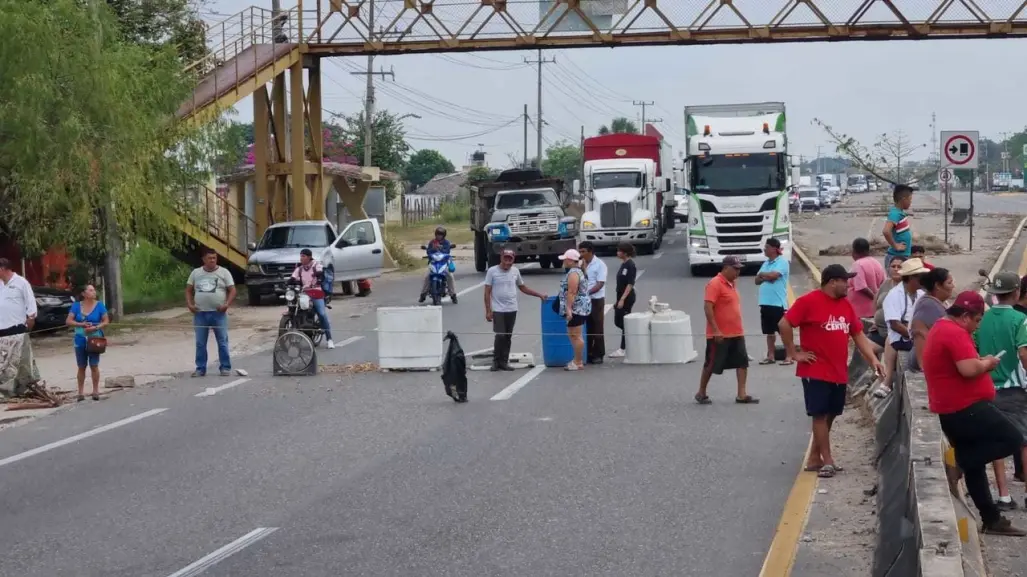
(615, 215)
(737, 229)
(278, 269)
(533, 223)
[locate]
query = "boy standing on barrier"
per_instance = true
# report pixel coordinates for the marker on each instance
(1003, 331)
(826, 321)
(960, 392)
(502, 282)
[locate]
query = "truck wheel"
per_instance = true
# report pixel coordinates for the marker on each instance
(658, 243)
(694, 270)
(647, 248)
(493, 258)
(253, 297)
(670, 218)
(480, 256)
(545, 261)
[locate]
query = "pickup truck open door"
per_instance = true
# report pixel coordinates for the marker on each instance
(358, 253)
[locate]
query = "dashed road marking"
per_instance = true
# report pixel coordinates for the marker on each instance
(211, 391)
(225, 552)
(79, 437)
(517, 385)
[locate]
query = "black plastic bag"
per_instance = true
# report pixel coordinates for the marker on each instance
(454, 369)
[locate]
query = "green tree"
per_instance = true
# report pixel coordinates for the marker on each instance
(890, 158)
(86, 125)
(424, 165)
(563, 160)
(389, 150)
(174, 23)
(479, 174)
(621, 125)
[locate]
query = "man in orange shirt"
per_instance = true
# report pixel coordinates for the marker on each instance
(725, 339)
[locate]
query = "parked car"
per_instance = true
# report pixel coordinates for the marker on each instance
(355, 254)
(809, 199)
(681, 206)
(52, 306)
(824, 197)
(835, 193)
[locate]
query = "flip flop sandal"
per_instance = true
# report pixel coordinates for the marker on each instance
(812, 468)
(767, 362)
(747, 400)
(827, 471)
(786, 363)
(703, 399)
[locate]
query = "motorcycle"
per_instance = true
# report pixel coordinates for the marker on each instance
(299, 314)
(440, 265)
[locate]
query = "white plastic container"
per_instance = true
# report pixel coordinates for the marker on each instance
(410, 337)
(638, 350)
(671, 338)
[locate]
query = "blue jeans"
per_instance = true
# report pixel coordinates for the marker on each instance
(203, 323)
(322, 312)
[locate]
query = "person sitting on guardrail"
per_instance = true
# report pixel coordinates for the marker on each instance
(1003, 331)
(938, 286)
(961, 393)
(898, 309)
(868, 277)
(826, 321)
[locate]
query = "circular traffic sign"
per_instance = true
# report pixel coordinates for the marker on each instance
(946, 175)
(959, 149)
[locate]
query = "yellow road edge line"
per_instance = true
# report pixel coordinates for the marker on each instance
(1023, 264)
(785, 546)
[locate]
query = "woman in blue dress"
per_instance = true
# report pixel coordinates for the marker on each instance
(575, 305)
(88, 316)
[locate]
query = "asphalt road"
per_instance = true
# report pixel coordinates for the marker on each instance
(611, 471)
(985, 202)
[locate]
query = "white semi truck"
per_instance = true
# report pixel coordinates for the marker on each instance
(739, 175)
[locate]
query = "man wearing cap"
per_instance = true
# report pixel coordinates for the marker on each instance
(826, 321)
(725, 338)
(898, 312)
(502, 282)
(1003, 328)
(773, 294)
(960, 391)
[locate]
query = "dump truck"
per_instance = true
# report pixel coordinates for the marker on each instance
(524, 211)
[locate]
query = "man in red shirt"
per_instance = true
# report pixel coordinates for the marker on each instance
(826, 321)
(961, 393)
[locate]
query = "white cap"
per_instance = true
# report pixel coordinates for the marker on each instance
(571, 254)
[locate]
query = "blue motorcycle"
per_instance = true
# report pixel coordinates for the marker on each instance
(440, 265)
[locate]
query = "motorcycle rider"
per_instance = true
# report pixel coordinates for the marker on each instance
(437, 245)
(311, 275)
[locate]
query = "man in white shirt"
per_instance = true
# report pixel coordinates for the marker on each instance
(898, 312)
(17, 317)
(595, 273)
(502, 282)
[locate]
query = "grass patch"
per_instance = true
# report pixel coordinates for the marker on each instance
(404, 259)
(422, 232)
(152, 279)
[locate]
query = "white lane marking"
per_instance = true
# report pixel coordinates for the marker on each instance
(658, 255)
(517, 385)
(79, 437)
(467, 290)
(211, 391)
(671, 241)
(225, 552)
(349, 341)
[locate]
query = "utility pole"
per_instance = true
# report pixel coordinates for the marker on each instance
(539, 62)
(819, 167)
(1005, 151)
(108, 217)
(644, 105)
(369, 98)
(526, 120)
(934, 141)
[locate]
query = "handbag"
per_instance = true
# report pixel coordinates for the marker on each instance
(96, 345)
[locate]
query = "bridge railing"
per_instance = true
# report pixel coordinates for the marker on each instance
(215, 215)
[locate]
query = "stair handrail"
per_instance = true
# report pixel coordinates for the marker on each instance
(219, 218)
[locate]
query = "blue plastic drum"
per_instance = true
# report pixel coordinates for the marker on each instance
(556, 345)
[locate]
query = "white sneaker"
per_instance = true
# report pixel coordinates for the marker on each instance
(617, 354)
(331, 344)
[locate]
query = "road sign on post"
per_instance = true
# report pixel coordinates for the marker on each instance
(959, 149)
(945, 175)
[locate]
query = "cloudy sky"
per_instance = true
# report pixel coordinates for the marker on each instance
(862, 88)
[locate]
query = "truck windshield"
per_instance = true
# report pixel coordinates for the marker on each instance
(617, 180)
(308, 236)
(526, 199)
(728, 174)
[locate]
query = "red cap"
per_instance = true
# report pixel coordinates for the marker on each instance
(508, 252)
(970, 302)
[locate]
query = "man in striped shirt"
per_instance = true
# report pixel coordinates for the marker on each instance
(1003, 330)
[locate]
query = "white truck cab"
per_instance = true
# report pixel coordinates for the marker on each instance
(621, 202)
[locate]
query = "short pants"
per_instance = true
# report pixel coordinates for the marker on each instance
(823, 399)
(729, 353)
(83, 358)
